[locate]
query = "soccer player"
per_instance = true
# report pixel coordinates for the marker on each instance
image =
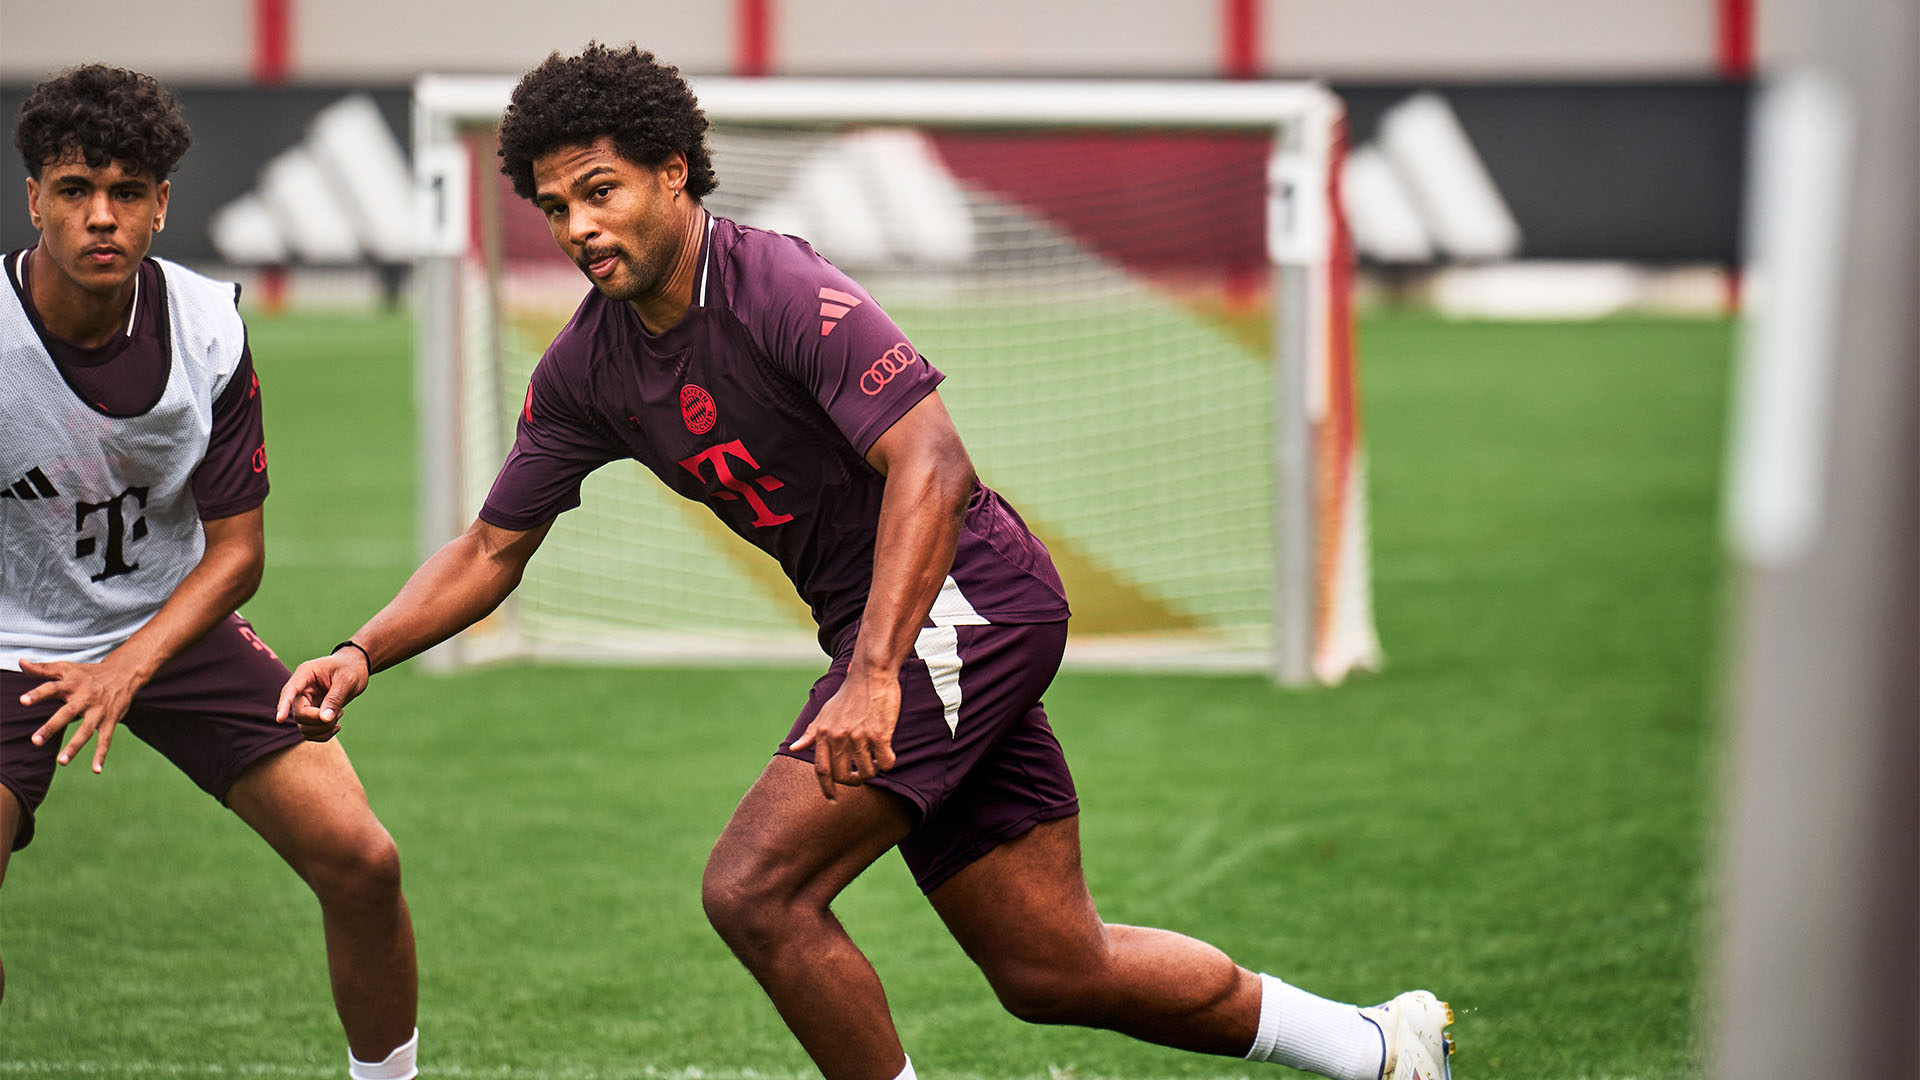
(134, 469)
(752, 376)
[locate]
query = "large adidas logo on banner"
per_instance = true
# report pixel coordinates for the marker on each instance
(342, 196)
(1420, 191)
(873, 197)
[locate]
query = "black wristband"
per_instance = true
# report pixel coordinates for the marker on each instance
(364, 654)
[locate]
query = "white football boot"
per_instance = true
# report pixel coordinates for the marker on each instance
(1414, 1026)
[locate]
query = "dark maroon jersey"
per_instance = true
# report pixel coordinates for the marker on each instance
(127, 375)
(761, 403)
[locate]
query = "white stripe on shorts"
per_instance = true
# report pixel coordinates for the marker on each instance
(939, 646)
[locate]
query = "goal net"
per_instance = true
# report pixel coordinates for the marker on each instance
(1140, 293)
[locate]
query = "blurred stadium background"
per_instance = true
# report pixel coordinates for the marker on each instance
(1522, 809)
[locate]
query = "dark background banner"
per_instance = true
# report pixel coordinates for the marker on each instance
(236, 131)
(1647, 171)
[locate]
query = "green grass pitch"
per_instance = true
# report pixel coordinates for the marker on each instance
(1514, 813)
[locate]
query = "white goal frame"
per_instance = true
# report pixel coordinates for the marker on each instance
(1322, 605)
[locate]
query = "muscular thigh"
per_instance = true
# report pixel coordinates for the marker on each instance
(308, 803)
(786, 841)
(974, 755)
(1024, 904)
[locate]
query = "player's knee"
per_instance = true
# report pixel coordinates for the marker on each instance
(743, 905)
(731, 899)
(1043, 997)
(361, 871)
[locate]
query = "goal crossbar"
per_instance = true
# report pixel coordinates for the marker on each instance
(1101, 102)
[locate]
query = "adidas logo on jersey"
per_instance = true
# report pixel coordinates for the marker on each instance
(834, 304)
(34, 485)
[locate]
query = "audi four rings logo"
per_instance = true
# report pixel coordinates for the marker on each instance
(891, 363)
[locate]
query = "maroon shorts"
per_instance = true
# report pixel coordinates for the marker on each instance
(210, 711)
(996, 772)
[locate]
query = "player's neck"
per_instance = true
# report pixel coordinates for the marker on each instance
(74, 314)
(661, 311)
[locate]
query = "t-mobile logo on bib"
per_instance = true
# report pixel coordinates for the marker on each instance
(119, 535)
(738, 487)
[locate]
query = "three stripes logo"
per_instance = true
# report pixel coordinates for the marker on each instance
(34, 485)
(834, 305)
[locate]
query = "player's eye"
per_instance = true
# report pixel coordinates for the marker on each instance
(603, 191)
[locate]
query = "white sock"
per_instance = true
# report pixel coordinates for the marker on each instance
(1302, 1031)
(398, 1065)
(906, 1073)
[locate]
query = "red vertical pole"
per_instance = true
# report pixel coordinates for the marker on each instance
(272, 40)
(752, 37)
(272, 62)
(1240, 39)
(1736, 39)
(1735, 63)
(1240, 59)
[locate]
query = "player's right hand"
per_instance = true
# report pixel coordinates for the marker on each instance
(94, 695)
(319, 691)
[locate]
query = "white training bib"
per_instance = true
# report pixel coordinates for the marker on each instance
(98, 523)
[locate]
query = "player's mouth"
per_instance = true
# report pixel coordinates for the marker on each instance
(101, 255)
(599, 266)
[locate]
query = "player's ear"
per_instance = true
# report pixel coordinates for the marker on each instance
(33, 200)
(163, 189)
(673, 172)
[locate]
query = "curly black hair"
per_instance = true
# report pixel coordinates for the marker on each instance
(643, 105)
(101, 114)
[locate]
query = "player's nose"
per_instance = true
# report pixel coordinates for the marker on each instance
(100, 212)
(581, 228)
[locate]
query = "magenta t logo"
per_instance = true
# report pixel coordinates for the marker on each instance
(737, 487)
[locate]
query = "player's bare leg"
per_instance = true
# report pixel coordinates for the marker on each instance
(783, 857)
(308, 804)
(1023, 913)
(10, 818)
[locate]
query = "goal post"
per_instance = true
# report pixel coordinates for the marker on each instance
(1141, 295)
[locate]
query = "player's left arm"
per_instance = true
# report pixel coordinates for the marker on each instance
(96, 696)
(929, 479)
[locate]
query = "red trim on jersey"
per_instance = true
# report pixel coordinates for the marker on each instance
(1240, 39)
(1735, 25)
(752, 37)
(272, 40)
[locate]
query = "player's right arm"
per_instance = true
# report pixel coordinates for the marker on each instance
(457, 587)
(557, 443)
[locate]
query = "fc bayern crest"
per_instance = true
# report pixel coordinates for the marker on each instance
(696, 408)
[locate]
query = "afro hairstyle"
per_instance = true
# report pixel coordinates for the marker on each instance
(624, 94)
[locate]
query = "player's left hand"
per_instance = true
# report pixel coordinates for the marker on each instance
(852, 737)
(95, 695)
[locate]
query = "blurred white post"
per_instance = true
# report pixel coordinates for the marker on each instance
(1818, 969)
